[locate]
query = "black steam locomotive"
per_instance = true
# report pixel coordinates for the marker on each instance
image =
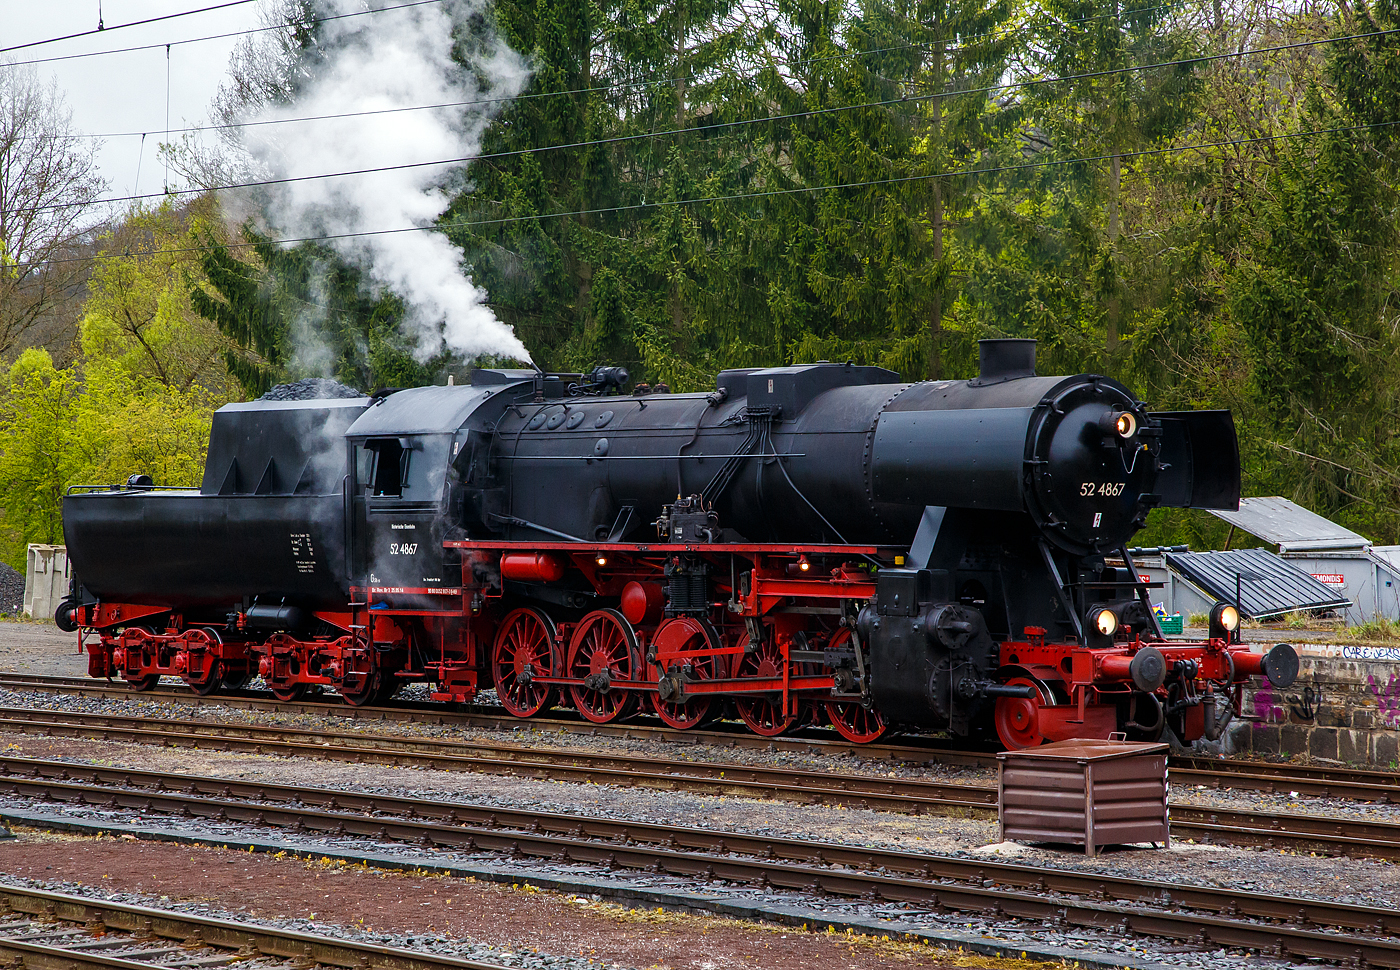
(817, 542)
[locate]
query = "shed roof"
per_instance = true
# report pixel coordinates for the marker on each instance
(1269, 585)
(1290, 526)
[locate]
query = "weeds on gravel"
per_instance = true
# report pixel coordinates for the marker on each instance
(1380, 630)
(903, 949)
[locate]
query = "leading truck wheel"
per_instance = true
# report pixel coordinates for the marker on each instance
(1018, 718)
(856, 722)
(524, 649)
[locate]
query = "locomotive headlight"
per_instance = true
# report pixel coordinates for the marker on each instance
(601, 560)
(1105, 621)
(1100, 624)
(1119, 425)
(1224, 621)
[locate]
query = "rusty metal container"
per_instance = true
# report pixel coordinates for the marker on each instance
(1084, 792)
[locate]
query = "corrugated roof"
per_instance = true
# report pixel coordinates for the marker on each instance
(1269, 584)
(1390, 555)
(1290, 526)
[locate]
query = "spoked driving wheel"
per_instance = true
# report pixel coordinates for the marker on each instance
(603, 649)
(524, 649)
(686, 634)
(763, 713)
(291, 693)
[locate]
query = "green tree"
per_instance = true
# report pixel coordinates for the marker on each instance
(94, 423)
(138, 311)
(303, 312)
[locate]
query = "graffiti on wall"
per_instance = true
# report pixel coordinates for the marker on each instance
(1269, 706)
(1387, 698)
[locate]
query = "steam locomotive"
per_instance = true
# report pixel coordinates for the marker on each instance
(810, 543)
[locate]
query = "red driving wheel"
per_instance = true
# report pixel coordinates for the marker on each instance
(524, 649)
(763, 713)
(685, 634)
(603, 649)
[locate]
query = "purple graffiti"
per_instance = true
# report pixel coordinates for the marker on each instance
(1268, 706)
(1387, 698)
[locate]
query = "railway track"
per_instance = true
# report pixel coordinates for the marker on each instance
(807, 741)
(643, 771)
(1312, 781)
(1283, 926)
(42, 930)
(1330, 834)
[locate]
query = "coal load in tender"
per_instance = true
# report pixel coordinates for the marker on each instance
(310, 389)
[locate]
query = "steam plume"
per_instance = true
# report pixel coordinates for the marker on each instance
(396, 58)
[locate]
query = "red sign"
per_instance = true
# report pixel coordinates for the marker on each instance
(1144, 578)
(1331, 579)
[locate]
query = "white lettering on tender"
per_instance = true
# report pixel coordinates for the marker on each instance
(303, 555)
(403, 548)
(402, 525)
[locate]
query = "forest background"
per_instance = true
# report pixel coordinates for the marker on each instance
(1197, 198)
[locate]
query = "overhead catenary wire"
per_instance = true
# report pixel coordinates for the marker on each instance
(100, 29)
(571, 92)
(795, 116)
(201, 39)
(775, 193)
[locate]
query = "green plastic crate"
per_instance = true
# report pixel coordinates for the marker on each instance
(1170, 624)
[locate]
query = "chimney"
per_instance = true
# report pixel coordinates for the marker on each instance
(1004, 360)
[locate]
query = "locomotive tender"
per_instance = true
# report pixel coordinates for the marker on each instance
(802, 543)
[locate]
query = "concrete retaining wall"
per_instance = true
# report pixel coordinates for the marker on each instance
(1344, 707)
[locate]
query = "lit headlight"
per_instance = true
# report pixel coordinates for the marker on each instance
(1125, 425)
(1229, 618)
(1106, 622)
(1224, 621)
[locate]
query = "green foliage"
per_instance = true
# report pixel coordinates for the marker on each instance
(303, 312)
(95, 423)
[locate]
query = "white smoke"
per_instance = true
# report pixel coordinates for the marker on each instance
(397, 57)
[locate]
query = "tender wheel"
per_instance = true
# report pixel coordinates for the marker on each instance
(763, 714)
(524, 649)
(236, 681)
(855, 722)
(204, 682)
(687, 634)
(1018, 718)
(603, 649)
(149, 681)
(360, 686)
(291, 693)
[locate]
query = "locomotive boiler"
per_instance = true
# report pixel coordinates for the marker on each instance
(815, 543)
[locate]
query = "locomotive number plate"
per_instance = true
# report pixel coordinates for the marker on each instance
(1110, 489)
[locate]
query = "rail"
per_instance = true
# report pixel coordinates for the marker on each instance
(1205, 916)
